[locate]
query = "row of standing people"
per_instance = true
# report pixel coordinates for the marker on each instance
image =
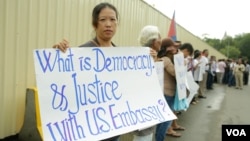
(163, 50)
(230, 72)
(233, 72)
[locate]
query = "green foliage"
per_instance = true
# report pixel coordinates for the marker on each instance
(230, 52)
(239, 46)
(214, 43)
(244, 46)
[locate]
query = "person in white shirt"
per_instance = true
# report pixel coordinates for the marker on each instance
(204, 67)
(221, 70)
(211, 72)
(198, 72)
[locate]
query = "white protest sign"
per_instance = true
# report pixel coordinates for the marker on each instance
(159, 66)
(191, 85)
(180, 72)
(96, 93)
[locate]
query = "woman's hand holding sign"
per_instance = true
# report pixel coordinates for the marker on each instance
(63, 45)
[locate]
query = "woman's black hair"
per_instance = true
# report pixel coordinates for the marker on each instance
(166, 43)
(197, 53)
(163, 52)
(98, 8)
(187, 46)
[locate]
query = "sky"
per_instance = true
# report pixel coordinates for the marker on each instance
(208, 18)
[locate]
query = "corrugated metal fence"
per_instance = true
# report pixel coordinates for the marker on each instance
(29, 24)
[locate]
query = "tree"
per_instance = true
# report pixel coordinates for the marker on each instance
(244, 45)
(231, 51)
(234, 47)
(214, 43)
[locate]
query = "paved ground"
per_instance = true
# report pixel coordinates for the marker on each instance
(224, 105)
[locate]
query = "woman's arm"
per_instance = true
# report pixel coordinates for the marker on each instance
(168, 66)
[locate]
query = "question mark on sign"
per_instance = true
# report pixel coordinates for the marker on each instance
(161, 102)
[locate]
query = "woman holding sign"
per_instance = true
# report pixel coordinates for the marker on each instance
(166, 53)
(149, 37)
(104, 21)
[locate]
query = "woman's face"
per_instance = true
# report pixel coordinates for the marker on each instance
(199, 56)
(107, 24)
(175, 51)
(186, 53)
(157, 44)
(171, 49)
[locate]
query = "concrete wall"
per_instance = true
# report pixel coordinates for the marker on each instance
(30, 24)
